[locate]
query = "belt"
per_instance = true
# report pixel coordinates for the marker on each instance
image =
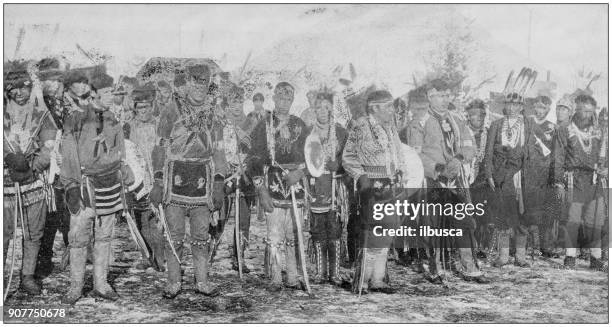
(376, 172)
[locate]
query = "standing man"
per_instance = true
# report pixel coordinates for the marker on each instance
(276, 164)
(505, 155)
(326, 227)
(58, 217)
(236, 144)
(29, 132)
(478, 124)
(564, 110)
(93, 177)
(189, 170)
(254, 117)
(445, 145)
(371, 156)
(258, 113)
(141, 138)
(577, 149)
(538, 191)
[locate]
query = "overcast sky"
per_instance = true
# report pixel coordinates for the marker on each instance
(564, 37)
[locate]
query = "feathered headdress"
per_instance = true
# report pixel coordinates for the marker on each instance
(515, 88)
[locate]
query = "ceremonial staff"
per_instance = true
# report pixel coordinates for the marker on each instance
(298, 223)
(300, 236)
(237, 207)
(237, 228)
(18, 211)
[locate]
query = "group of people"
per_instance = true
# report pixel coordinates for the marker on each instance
(82, 150)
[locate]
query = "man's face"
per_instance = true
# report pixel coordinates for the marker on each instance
(418, 109)
(384, 112)
(322, 109)
(476, 118)
(283, 99)
(512, 109)
(541, 110)
(585, 115)
(258, 104)
(563, 114)
(439, 100)
(164, 93)
(79, 89)
(312, 99)
(20, 95)
(104, 97)
(235, 106)
(52, 88)
(143, 110)
(197, 88)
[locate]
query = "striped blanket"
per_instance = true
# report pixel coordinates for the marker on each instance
(31, 193)
(107, 191)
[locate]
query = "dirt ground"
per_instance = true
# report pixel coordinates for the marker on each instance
(542, 294)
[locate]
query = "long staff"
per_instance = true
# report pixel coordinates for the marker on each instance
(298, 223)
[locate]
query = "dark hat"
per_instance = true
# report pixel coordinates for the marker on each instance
(439, 84)
(258, 96)
(100, 80)
(379, 96)
(16, 75)
(418, 96)
(49, 69)
(75, 76)
(476, 104)
(284, 88)
(236, 93)
(543, 100)
(325, 95)
(199, 70)
(144, 93)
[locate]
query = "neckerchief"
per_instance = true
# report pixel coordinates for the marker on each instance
(450, 130)
(512, 134)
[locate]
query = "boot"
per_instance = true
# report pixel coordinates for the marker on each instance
(243, 246)
(78, 256)
(569, 262)
(320, 276)
(101, 260)
(199, 249)
(333, 249)
(173, 283)
(66, 259)
(29, 285)
(30, 256)
(503, 245)
(293, 281)
(598, 264)
(521, 251)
